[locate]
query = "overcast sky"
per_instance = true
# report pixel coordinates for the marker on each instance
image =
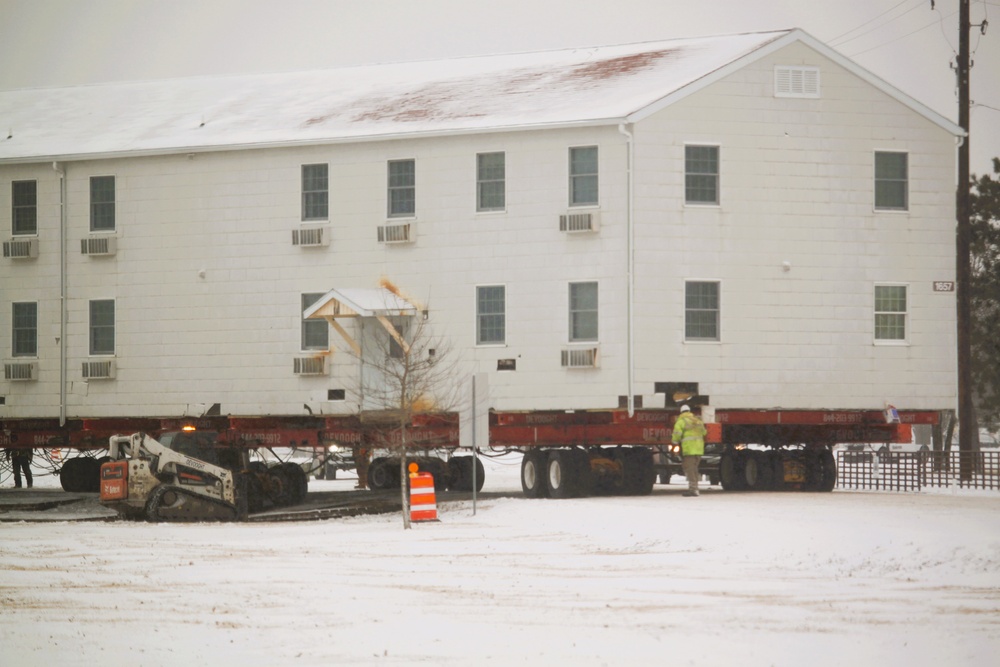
(47, 43)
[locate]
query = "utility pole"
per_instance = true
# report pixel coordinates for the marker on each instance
(963, 267)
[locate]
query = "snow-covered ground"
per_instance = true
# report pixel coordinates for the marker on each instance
(843, 578)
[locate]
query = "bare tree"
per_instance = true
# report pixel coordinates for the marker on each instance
(406, 371)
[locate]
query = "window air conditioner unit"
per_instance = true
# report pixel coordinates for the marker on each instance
(97, 246)
(311, 237)
(20, 370)
(99, 370)
(398, 233)
(580, 358)
(20, 248)
(310, 365)
(578, 222)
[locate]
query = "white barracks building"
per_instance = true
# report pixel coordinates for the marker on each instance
(752, 218)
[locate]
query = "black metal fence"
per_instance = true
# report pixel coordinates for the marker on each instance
(912, 471)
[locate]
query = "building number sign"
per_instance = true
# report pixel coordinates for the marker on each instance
(944, 286)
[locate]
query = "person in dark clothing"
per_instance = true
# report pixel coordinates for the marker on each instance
(20, 460)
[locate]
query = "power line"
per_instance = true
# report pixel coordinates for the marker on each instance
(912, 32)
(834, 39)
(841, 42)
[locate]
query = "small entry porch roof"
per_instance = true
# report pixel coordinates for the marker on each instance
(378, 302)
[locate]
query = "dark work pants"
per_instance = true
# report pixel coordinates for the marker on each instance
(18, 465)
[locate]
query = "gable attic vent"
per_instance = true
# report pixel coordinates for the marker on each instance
(99, 370)
(21, 371)
(311, 237)
(395, 233)
(20, 248)
(796, 81)
(98, 245)
(580, 358)
(578, 222)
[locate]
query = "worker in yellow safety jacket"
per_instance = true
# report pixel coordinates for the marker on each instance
(689, 433)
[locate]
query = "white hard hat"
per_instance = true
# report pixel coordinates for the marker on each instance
(685, 408)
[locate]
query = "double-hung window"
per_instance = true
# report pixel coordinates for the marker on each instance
(25, 329)
(491, 315)
(491, 182)
(583, 312)
(24, 207)
(102, 203)
(583, 185)
(890, 312)
(315, 333)
(102, 326)
(701, 311)
(315, 192)
(402, 188)
(891, 181)
(701, 174)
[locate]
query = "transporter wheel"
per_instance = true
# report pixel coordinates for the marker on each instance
(242, 498)
(91, 474)
(638, 474)
(298, 483)
(731, 471)
(561, 473)
(758, 471)
(69, 475)
(534, 474)
(460, 469)
(814, 471)
(583, 475)
(254, 491)
(383, 474)
(828, 467)
(280, 486)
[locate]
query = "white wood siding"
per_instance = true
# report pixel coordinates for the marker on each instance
(797, 186)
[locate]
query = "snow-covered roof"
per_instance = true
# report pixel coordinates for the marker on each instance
(360, 302)
(593, 86)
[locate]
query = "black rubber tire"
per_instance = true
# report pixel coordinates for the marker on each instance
(254, 492)
(91, 475)
(534, 474)
(638, 474)
(582, 472)
(758, 471)
(69, 477)
(280, 487)
(814, 471)
(242, 481)
(828, 466)
(561, 473)
(383, 473)
(460, 473)
(299, 482)
(440, 471)
(776, 460)
(731, 471)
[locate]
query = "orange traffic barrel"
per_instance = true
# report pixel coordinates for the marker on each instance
(423, 504)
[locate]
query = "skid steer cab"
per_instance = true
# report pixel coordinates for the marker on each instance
(192, 476)
(177, 478)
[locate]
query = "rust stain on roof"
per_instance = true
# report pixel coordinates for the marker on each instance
(619, 67)
(465, 98)
(437, 101)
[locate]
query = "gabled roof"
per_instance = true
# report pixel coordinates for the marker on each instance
(597, 86)
(359, 302)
